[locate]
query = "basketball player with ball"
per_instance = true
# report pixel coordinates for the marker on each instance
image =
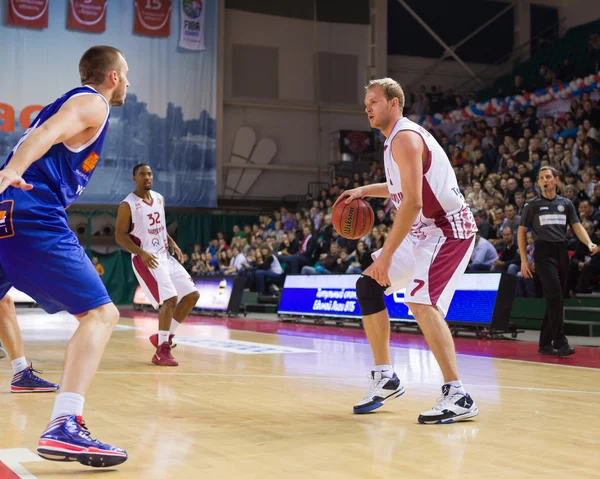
(426, 251)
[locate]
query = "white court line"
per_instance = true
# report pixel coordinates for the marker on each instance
(419, 349)
(530, 362)
(320, 378)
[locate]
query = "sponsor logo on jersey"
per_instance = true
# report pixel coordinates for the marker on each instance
(396, 197)
(544, 208)
(82, 175)
(155, 242)
(90, 162)
(155, 231)
(546, 220)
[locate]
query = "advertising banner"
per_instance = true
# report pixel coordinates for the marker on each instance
(152, 18)
(28, 13)
(192, 25)
(87, 15)
(215, 293)
(335, 296)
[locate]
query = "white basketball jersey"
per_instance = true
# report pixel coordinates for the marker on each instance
(444, 212)
(148, 223)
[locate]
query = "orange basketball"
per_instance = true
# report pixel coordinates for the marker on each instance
(353, 220)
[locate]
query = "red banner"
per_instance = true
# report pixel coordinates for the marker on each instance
(28, 13)
(152, 17)
(87, 15)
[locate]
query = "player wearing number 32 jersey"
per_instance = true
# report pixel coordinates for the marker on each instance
(142, 230)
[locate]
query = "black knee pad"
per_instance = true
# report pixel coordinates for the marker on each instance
(370, 295)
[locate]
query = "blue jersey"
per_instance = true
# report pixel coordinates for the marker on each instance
(39, 254)
(64, 170)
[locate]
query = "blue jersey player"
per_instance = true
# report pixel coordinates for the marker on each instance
(47, 171)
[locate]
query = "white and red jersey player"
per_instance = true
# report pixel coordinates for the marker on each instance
(432, 258)
(149, 231)
(444, 212)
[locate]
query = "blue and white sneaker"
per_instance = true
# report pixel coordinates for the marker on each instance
(379, 392)
(68, 439)
(451, 407)
(27, 382)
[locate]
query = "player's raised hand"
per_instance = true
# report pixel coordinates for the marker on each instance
(149, 260)
(9, 177)
(350, 195)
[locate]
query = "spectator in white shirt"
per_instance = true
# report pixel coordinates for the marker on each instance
(484, 255)
(238, 262)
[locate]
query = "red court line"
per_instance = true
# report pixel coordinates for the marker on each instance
(500, 349)
(6, 473)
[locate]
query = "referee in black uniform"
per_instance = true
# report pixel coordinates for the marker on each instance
(548, 216)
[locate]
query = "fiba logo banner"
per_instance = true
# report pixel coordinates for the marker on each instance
(153, 17)
(191, 8)
(27, 13)
(87, 15)
(192, 24)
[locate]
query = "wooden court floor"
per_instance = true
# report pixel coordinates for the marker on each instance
(278, 404)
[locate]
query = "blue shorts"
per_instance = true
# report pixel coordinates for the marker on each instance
(40, 255)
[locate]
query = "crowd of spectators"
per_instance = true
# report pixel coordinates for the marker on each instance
(436, 99)
(284, 241)
(496, 165)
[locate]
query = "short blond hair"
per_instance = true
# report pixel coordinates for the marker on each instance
(391, 89)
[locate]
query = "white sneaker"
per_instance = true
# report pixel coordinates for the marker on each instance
(451, 407)
(380, 391)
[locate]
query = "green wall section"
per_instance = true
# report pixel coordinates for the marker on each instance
(118, 277)
(528, 313)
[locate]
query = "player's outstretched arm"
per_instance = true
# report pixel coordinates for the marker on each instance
(75, 116)
(124, 240)
(378, 190)
(407, 149)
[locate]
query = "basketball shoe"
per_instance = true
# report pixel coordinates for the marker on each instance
(154, 340)
(451, 407)
(163, 356)
(380, 390)
(68, 439)
(27, 382)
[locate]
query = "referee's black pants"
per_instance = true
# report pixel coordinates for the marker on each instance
(552, 267)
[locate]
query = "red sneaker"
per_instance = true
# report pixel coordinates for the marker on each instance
(154, 340)
(163, 356)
